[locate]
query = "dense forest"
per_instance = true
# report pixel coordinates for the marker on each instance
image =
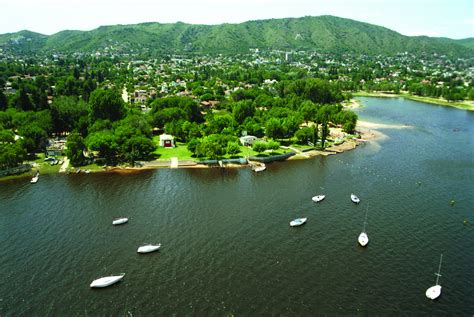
(323, 33)
(83, 102)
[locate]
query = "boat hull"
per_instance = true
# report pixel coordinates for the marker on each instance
(106, 281)
(363, 239)
(120, 221)
(433, 292)
(298, 222)
(149, 248)
(318, 198)
(355, 199)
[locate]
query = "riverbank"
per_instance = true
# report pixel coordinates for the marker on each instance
(464, 105)
(368, 131)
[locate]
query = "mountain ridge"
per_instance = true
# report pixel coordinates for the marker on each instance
(322, 33)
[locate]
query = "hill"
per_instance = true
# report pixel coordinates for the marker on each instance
(323, 33)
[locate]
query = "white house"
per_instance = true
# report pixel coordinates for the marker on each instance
(248, 140)
(167, 140)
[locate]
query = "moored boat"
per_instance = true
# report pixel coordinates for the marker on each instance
(434, 291)
(363, 237)
(259, 167)
(298, 222)
(355, 199)
(120, 221)
(35, 178)
(149, 248)
(106, 281)
(318, 198)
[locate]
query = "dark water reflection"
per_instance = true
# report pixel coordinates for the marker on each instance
(227, 245)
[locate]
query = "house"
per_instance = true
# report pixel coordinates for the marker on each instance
(167, 140)
(56, 147)
(248, 140)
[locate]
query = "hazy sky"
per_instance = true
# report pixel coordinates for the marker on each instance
(447, 18)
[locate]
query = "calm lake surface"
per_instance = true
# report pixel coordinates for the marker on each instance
(227, 248)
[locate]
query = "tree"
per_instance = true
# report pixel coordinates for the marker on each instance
(290, 125)
(233, 148)
(138, 147)
(273, 145)
(308, 110)
(106, 104)
(34, 139)
(274, 129)
(304, 135)
(253, 127)
(105, 142)
(243, 109)
(193, 145)
(217, 123)
(3, 101)
(66, 113)
(22, 101)
(75, 149)
(209, 147)
(259, 146)
(11, 154)
(324, 132)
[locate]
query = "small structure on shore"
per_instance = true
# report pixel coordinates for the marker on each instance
(248, 140)
(167, 140)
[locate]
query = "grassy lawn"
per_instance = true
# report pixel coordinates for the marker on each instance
(180, 151)
(45, 167)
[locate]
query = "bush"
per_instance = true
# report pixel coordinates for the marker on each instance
(259, 146)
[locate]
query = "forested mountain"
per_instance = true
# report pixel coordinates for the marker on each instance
(323, 33)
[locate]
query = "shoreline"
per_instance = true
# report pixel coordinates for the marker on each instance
(465, 105)
(368, 132)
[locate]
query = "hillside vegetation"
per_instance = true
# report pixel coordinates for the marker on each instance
(323, 33)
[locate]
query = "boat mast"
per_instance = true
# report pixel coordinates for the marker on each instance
(439, 269)
(365, 221)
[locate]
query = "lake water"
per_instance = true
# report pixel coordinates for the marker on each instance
(227, 248)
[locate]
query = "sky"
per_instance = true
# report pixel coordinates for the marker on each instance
(440, 18)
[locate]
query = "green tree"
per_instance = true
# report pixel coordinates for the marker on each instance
(233, 148)
(35, 138)
(66, 113)
(193, 145)
(106, 105)
(75, 148)
(105, 142)
(11, 154)
(138, 147)
(274, 129)
(243, 109)
(3, 101)
(259, 146)
(324, 132)
(273, 145)
(308, 110)
(304, 135)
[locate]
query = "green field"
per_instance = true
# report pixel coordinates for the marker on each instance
(180, 151)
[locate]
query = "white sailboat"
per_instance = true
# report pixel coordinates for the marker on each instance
(119, 221)
(106, 281)
(298, 222)
(318, 198)
(149, 248)
(363, 238)
(355, 199)
(434, 291)
(35, 178)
